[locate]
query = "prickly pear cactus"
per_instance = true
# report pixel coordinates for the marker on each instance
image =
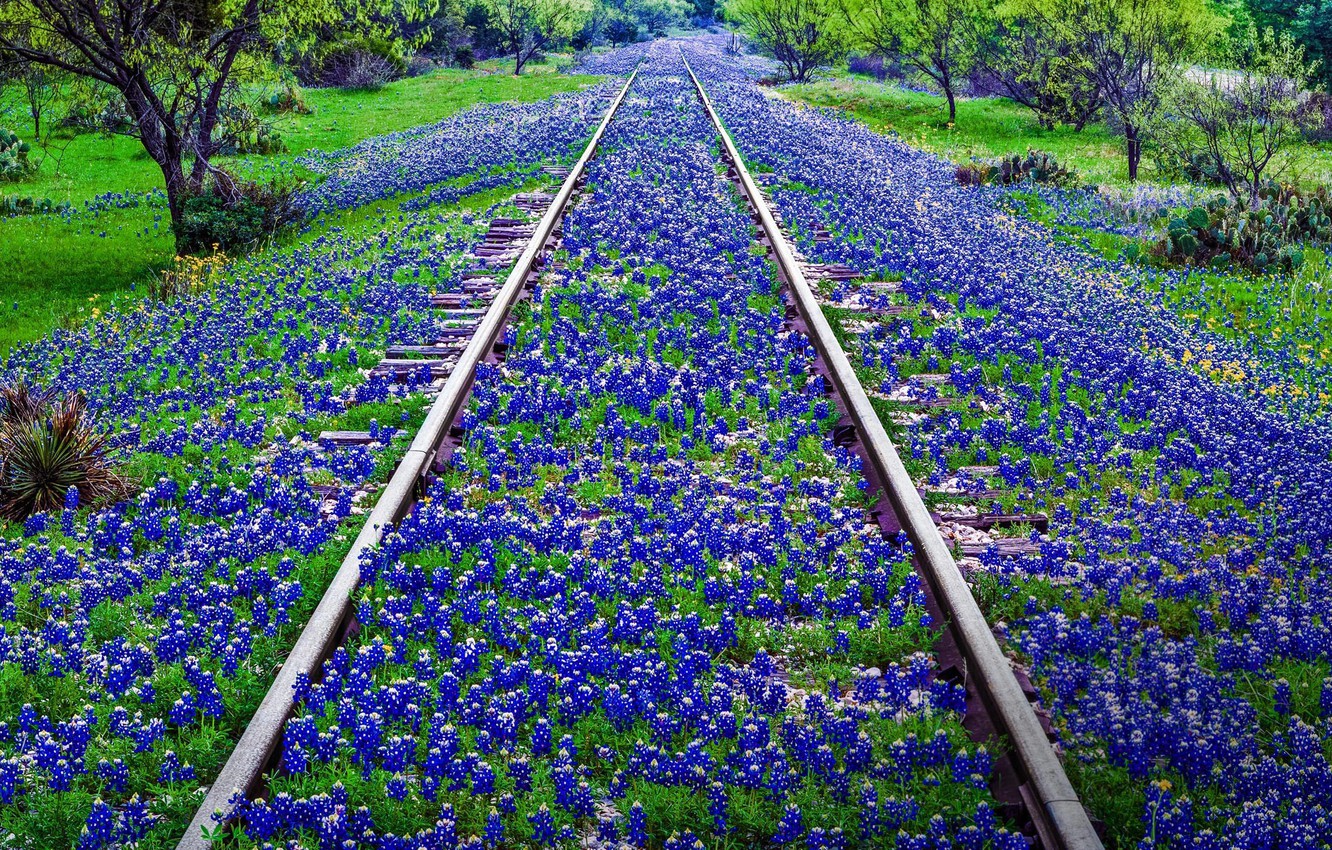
(14, 163)
(1271, 236)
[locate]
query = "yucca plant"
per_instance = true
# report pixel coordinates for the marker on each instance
(49, 445)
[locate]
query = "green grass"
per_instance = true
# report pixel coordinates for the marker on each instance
(985, 127)
(992, 126)
(52, 268)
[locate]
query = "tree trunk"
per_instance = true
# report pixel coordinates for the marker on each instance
(1134, 151)
(164, 145)
(952, 104)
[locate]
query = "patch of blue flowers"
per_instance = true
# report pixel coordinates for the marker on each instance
(647, 605)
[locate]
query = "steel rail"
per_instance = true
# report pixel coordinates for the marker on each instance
(1065, 820)
(243, 769)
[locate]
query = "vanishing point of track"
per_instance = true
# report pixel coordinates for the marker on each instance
(1031, 779)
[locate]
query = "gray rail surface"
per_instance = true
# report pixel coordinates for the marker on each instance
(1066, 824)
(243, 770)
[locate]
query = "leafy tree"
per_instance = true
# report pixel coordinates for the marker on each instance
(527, 27)
(1242, 122)
(658, 16)
(1309, 22)
(176, 64)
(1029, 57)
(939, 38)
(621, 29)
(41, 87)
(802, 34)
(1132, 52)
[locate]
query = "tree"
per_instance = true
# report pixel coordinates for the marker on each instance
(527, 27)
(802, 34)
(1309, 22)
(175, 63)
(1028, 57)
(621, 29)
(41, 86)
(1132, 52)
(1242, 122)
(939, 38)
(658, 16)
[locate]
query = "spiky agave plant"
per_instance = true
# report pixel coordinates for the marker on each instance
(48, 445)
(22, 402)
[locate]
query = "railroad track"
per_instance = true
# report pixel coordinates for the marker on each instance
(255, 752)
(1042, 787)
(1031, 780)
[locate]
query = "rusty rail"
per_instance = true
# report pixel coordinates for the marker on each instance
(243, 770)
(1058, 815)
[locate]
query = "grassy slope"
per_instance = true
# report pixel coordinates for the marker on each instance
(985, 127)
(51, 268)
(988, 127)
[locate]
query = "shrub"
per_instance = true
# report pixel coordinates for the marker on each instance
(50, 445)
(12, 205)
(359, 71)
(237, 216)
(872, 65)
(464, 56)
(289, 98)
(1269, 237)
(241, 131)
(1193, 167)
(419, 65)
(354, 63)
(92, 113)
(14, 163)
(1036, 167)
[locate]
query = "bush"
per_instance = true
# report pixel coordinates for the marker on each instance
(291, 99)
(1194, 167)
(359, 71)
(238, 217)
(241, 131)
(14, 163)
(871, 65)
(12, 205)
(418, 65)
(464, 56)
(93, 113)
(50, 445)
(1036, 167)
(354, 63)
(1270, 237)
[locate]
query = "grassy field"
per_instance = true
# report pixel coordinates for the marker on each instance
(52, 267)
(992, 126)
(985, 127)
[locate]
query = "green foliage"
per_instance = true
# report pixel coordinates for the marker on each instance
(14, 205)
(803, 35)
(1031, 58)
(236, 218)
(1036, 167)
(1308, 23)
(938, 38)
(1189, 166)
(241, 131)
(525, 28)
(14, 163)
(1239, 126)
(289, 99)
(355, 61)
(1131, 52)
(1270, 236)
(48, 446)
